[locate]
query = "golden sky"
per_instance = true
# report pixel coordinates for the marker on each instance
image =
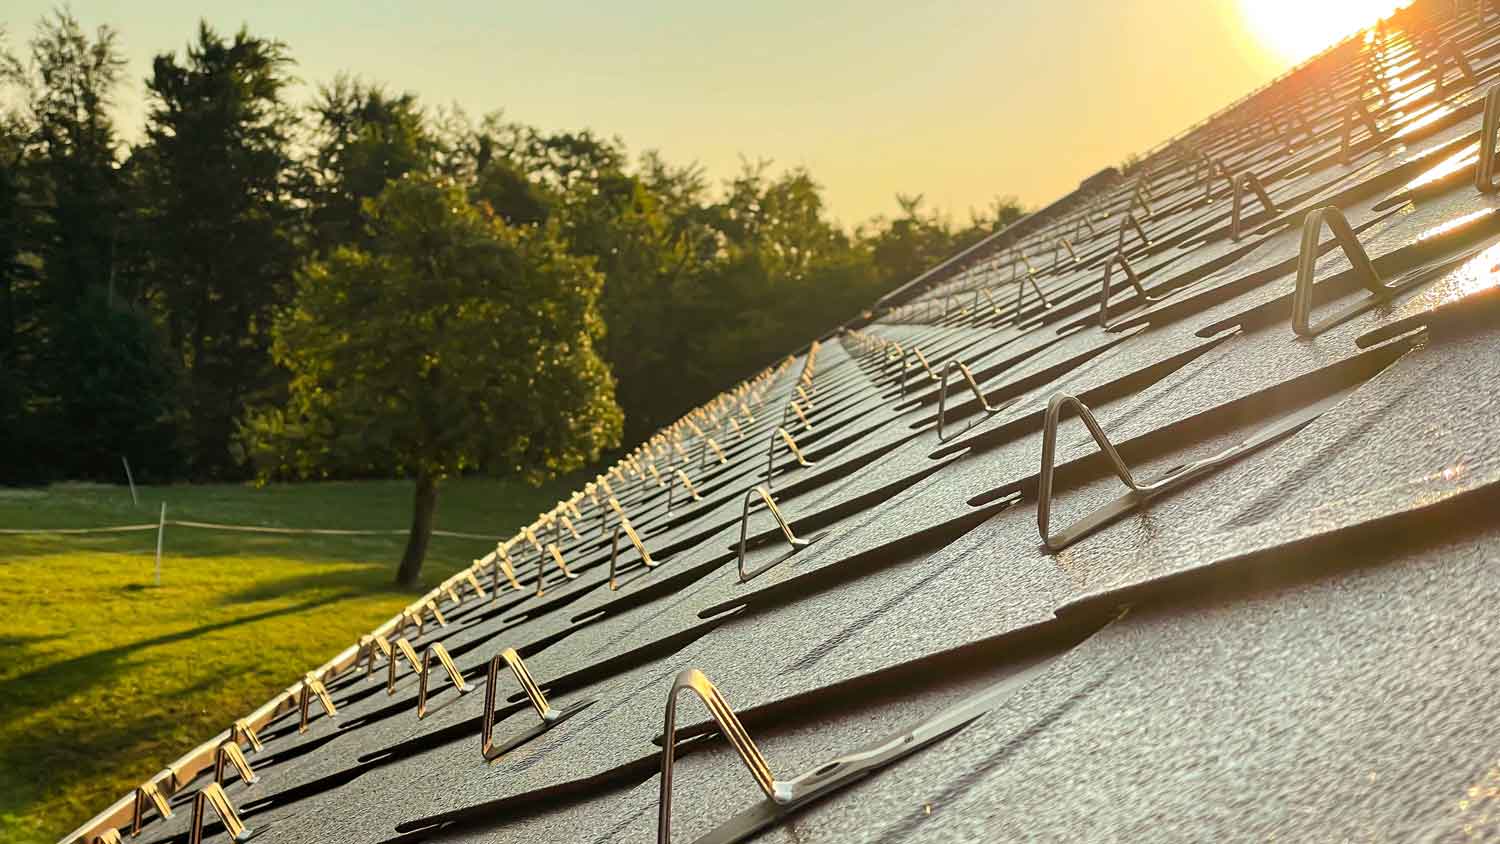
(957, 100)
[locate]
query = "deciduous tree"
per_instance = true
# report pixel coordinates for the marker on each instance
(454, 343)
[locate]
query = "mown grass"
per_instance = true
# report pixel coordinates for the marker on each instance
(105, 677)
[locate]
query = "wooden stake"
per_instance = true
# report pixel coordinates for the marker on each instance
(161, 528)
(131, 479)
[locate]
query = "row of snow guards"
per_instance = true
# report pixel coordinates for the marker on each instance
(1170, 512)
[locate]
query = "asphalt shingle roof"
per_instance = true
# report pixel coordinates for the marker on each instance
(1296, 643)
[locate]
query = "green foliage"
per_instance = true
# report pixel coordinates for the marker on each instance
(502, 186)
(904, 247)
(18, 287)
(782, 275)
(365, 138)
(83, 379)
(73, 153)
(220, 225)
(202, 230)
(616, 218)
(456, 343)
(122, 395)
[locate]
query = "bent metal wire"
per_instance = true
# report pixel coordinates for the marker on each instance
(781, 522)
(786, 796)
(550, 716)
(1138, 492)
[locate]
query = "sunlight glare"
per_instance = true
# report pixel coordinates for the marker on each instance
(1297, 29)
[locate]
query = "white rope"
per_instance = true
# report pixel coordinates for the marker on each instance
(237, 528)
(118, 529)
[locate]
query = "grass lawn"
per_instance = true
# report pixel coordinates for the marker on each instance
(106, 678)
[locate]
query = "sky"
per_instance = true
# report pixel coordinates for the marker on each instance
(959, 101)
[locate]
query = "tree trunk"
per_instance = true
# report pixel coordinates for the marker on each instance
(424, 504)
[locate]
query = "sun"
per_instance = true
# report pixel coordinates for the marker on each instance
(1297, 29)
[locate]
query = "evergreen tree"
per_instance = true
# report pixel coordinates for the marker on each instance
(95, 385)
(18, 285)
(365, 138)
(216, 184)
(75, 154)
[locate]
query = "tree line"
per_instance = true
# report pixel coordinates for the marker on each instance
(222, 296)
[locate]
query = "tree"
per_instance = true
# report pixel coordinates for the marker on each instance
(506, 189)
(365, 138)
(143, 291)
(614, 217)
(18, 283)
(903, 247)
(216, 188)
(1001, 212)
(490, 158)
(120, 395)
(84, 379)
(454, 343)
(784, 274)
(75, 154)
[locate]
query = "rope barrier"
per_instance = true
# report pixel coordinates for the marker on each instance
(116, 529)
(238, 528)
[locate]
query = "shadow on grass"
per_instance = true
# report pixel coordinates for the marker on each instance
(75, 762)
(372, 579)
(365, 580)
(59, 680)
(7, 641)
(193, 544)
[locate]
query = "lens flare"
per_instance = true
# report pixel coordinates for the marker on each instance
(1297, 29)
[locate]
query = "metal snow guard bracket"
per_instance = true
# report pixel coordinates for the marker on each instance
(550, 715)
(786, 530)
(786, 796)
(1139, 492)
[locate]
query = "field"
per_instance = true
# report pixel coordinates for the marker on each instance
(105, 677)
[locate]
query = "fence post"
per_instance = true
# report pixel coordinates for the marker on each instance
(131, 479)
(161, 528)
